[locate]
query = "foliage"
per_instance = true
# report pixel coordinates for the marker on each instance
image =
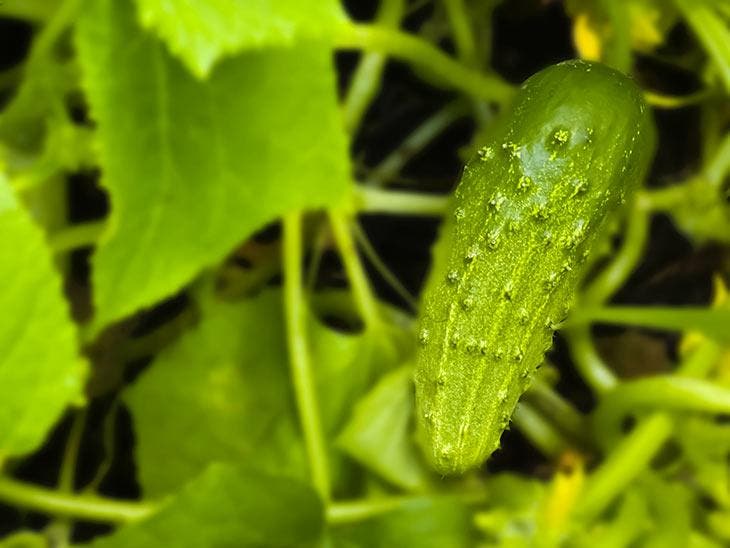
(144, 147)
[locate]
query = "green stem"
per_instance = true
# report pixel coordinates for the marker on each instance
(390, 278)
(366, 79)
(587, 360)
(660, 101)
(424, 56)
(632, 455)
(346, 512)
(71, 454)
(719, 164)
(61, 19)
(76, 236)
(415, 142)
(617, 272)
(364, 298)
(79, 507)
(712, 31)
(541, 433)
(393, 202)
(31, 10)
(665, 392)
(108, 444)
(299, 356)
(701, 360)
(461, 30)
(566, 417)
(589, 364)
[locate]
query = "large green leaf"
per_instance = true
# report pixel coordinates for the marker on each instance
(40, 369)
(195, 167)
(202, 32)
(228, 507)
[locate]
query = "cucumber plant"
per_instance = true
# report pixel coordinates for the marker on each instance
(525, 216)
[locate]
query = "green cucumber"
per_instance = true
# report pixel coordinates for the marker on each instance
(525, 216)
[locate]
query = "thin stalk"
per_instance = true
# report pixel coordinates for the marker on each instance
(76, 236)
(715, 169)
(71, 453)
(415, 142)
(541, 433)
(386, 273)
(712, 32)
(617, 272)
(63, 527)
(560, 411)
(364, 298)
(461, 31)
(589, 364)
(35, 11)
(366, 79)
(630, 457)
(425, 57)
(79, 507)
(346, 512)
(660, 392)
(109, 444)
(587, 360)
(299, 356)
(669, 102)
(393, 202)
(50, 33)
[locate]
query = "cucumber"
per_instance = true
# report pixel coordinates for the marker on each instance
(525, 216)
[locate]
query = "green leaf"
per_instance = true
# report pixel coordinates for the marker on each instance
(40, 370)
(221, 393)
(513, 516)
(228, 507)
(701, 211)
(192, 167)
(379, 434)
(714, 323)
(200, 33)
(670, 507)
(425, 522)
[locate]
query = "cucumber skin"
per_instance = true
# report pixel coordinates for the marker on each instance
(525, 215)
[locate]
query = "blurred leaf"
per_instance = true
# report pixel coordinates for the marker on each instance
(650, 21)
(379, 434)
(194, 168)
(221, 393)
(712, 30)
(41, 372)
(426, 522)
(631, 520)
(670, 510)
(228, 507)
(714, 323)
(200, 33)
(512, 518)
(706, 446)
(703, 213)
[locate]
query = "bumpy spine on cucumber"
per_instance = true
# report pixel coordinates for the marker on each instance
(525, 216)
